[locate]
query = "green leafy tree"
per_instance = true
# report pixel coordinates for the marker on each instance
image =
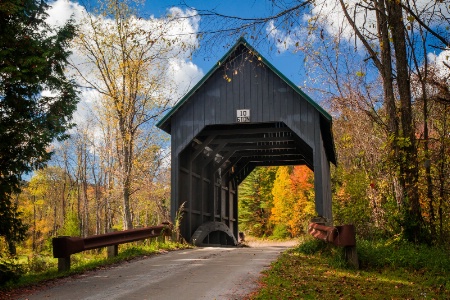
(36, 99)
(255, 201)
(71, 225)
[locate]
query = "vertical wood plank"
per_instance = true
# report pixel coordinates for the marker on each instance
(265, 94)
(256, 93)
(225, 91)
(270, 95)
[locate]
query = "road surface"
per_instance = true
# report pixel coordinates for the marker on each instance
(201, 273)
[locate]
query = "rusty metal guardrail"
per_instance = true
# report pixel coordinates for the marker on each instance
(65, 246)
(339, 235)
(343, 236)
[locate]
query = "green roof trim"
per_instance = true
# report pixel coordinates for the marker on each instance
(241, 41)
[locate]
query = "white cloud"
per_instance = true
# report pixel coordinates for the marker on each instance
(181, 30)
(62, 10)
(331, 15)
(441, 62)
(185, 74)
(283, 40)
(327, 17)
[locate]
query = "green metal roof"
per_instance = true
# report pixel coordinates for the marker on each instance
(162, 123)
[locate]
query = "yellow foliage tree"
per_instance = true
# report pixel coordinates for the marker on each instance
(283, 202)
(44, 203)
(282, 197)
(126, 61)
(293, 196)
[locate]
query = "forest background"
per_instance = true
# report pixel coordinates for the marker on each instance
(112, 169)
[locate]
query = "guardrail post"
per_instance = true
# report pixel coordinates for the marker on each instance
(112, 251)
(351, 256)
(348, 238)
(60, 244)
(167, 237)
(343, 236)
(63, 264)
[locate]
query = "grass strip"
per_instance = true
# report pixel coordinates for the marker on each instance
(314, 271)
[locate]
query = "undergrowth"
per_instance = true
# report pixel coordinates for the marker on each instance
(400, 254)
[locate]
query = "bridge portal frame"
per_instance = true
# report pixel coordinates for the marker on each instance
(244, 113)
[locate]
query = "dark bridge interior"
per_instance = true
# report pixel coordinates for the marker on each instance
(238, 149)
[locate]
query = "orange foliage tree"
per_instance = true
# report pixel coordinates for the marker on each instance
(302, 187)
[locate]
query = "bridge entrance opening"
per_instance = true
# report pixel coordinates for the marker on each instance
(241, 115)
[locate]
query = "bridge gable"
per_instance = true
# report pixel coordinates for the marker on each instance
(244, 80)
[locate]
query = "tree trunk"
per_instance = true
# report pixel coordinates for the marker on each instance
(429, 181)
(413, 221)
(126, 151)
(386, 73)
(442, 176)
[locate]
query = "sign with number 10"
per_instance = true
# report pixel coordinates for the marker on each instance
(243, 115)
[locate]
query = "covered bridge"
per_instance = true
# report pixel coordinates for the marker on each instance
(241, 115)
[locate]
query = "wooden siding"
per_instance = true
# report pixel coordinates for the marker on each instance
(267, 96)
(243, 81)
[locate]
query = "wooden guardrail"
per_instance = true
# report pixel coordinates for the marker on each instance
(343, 236)
(65, 246)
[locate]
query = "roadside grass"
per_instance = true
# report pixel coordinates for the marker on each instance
(41, 269)
(389, 270)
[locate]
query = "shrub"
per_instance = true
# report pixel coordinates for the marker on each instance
(38, 264)
(312, 246)
(401, 254)
(9, 272)
(280, 232)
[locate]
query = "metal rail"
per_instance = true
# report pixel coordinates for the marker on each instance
(343, 236)
(65, 246)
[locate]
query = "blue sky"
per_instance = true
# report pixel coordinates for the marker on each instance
(288, 63)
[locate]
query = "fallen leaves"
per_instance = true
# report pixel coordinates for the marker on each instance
(299, 276)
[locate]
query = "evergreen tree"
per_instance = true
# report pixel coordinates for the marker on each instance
(36, 99)
(255, 201)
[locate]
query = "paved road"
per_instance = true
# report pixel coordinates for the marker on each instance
(202, 273)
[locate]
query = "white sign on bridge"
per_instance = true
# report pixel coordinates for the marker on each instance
(243, 115)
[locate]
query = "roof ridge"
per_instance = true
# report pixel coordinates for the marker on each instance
(243, 41)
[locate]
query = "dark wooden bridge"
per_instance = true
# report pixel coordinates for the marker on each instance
(241, 115)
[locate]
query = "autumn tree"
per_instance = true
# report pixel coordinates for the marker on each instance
(283, 202)
(293, 206)
(44, 205)
(36, 98)
(302, 187)
(390, 39)
(438, 172)
(125, 60)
